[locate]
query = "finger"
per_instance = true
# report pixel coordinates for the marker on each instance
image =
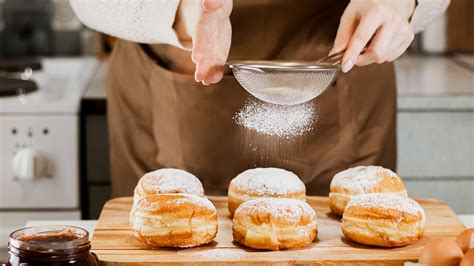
(209, 76)
(196, 52)
(398, 51)
(396, 48)
(378, 48)
(218, 74)
(401, 46)
(347, 26)
(201, 71)
(364, 31)
(198, 76)
(205, 72)
(227, 7)
(196, 57)
(211, 5)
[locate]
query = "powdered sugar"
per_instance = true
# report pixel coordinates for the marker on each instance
(360, 179)
(289, 209)
(168, 180)
(175, 199)
(277, 120)
(193, 199)
(386, 201)
(269, 181)
(223, 255)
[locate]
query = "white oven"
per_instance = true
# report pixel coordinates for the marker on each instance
(39, 145)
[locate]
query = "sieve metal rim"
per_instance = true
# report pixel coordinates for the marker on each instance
(281, 66)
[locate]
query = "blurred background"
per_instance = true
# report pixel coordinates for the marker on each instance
(53, 130)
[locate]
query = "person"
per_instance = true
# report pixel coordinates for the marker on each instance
(171, 99)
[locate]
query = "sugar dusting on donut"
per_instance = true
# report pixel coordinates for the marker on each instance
(289, 209)
(169, 179)
(180, 199)
(387, 201)
(196, 200)
(269, 181)
(361, 178)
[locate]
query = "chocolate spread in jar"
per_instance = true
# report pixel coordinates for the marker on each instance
(51, 245)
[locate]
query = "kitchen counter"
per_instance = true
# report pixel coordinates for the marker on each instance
(97, 88)
(435, 83)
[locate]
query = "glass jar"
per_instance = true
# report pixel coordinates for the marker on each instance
(50, 245)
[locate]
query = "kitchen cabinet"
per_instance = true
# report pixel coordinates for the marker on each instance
(435, 130)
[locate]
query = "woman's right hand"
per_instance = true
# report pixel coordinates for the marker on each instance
(207, 22)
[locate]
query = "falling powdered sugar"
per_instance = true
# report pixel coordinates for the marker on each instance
(277, 120)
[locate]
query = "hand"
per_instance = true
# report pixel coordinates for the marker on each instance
(382, 22)
(207, 23)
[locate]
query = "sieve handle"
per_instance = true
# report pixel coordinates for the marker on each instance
(334, 59)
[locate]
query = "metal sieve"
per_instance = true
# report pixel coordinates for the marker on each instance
(286, 82)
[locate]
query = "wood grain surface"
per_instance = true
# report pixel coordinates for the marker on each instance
(114, 243)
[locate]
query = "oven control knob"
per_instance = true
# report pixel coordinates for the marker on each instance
(29, 164)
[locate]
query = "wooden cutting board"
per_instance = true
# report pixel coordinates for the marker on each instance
(114, 243)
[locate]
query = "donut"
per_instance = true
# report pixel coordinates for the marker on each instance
(264, 182)
(385, 220)
(362, 180)
(174, 220)
(168, 180)
(274, 224)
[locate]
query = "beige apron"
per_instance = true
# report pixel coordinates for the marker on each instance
(160, 117)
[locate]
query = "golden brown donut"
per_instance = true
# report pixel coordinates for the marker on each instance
(362, 180)
(168, 180)
(174, 220)
(385, 220)
(274, 223)
(264, 182)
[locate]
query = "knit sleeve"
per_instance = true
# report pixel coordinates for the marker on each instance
(426, 11)
(144, 21)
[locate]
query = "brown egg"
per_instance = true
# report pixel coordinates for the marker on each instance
(441, 251)
(464, 239)
(468, 259)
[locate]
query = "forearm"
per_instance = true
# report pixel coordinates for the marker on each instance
(144, 21)
(426, 11)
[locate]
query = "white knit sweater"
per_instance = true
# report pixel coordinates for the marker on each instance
(151, 21)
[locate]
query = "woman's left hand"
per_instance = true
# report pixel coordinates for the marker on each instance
(383, 23)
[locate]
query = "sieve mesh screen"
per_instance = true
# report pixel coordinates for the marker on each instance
(284, 88)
